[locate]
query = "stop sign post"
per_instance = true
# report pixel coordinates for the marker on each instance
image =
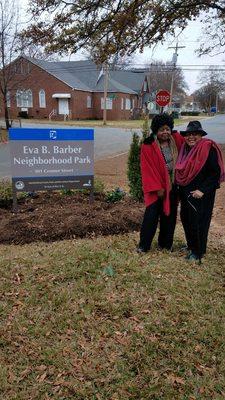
(162, 98)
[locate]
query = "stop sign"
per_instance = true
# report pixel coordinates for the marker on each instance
(162, 98)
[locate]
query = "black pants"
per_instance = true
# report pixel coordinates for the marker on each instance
(154, 214)
(196, 216)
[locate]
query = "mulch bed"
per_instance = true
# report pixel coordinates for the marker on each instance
(52, 216)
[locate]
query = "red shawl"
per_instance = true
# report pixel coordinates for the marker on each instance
(190, 164)
(154, 173)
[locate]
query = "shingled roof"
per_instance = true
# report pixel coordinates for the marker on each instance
(85, 75)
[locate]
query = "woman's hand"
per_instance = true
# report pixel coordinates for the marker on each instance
(197, 194)
(160, 193)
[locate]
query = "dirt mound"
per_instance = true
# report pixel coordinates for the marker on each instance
(52, 216)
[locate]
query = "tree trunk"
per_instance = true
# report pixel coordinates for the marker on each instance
(7, 122)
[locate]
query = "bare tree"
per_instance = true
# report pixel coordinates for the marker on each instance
(160, 76)
(9, 25)
(122, 62)
(213, 38)
(213, 77)
(211, 92)
(32, 50)
(205, 96)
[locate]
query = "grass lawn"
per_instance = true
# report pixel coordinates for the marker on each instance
(91, 319)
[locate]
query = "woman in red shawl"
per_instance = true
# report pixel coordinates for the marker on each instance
(199, 170)
(158, 157)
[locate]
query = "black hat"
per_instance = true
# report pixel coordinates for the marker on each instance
(194, 126)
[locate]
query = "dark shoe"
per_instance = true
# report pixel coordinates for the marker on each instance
(184, 250)
(140, 250)
(192, 257)
(188, 253)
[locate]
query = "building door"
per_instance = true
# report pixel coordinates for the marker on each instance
(64, 106)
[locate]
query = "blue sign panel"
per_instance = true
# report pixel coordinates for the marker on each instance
(50, 134)
(213, 109)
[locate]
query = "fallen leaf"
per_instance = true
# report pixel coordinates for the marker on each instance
(18, 280)
(175, 379)
(41, 368)
(42, 377)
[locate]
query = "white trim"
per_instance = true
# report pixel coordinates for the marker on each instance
(63, 107)
(127, 104)
(42, 98)
(109, 103)
(24, 98)
(89, 101)
(61, 96)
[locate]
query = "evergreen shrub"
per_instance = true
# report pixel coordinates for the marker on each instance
(134, 170)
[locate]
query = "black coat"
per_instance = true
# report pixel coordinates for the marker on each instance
(196, 213)
(207, 179)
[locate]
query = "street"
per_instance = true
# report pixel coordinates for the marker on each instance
(109, 141)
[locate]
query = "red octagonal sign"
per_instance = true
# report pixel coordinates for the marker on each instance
(162, 98)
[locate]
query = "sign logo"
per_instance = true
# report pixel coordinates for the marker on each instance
(87, 183)
(162, 98)
(19, 185)
(53, 135)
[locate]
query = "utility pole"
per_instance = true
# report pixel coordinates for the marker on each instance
(217, 98)
(106, 81)
(174, 62)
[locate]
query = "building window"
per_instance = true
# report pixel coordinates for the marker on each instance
(24, 98)
(128, 104)
(133, 103)
(122, 103)
(18, 67)
(42, 99)
(89, 102)
(8, 102)
(109, 103)
(21, 67)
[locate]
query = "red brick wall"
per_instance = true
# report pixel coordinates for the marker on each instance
(38, 79)
(116, 113)
(30, 76)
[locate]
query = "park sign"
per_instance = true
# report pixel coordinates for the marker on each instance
(162, 98)
(51, 159)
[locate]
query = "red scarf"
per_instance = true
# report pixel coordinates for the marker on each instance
(190, 164)
(154, 173)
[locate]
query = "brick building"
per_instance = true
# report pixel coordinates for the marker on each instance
(73, 90)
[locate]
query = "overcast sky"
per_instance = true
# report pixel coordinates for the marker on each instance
(187, 58)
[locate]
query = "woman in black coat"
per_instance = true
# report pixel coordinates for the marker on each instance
(199, 171)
